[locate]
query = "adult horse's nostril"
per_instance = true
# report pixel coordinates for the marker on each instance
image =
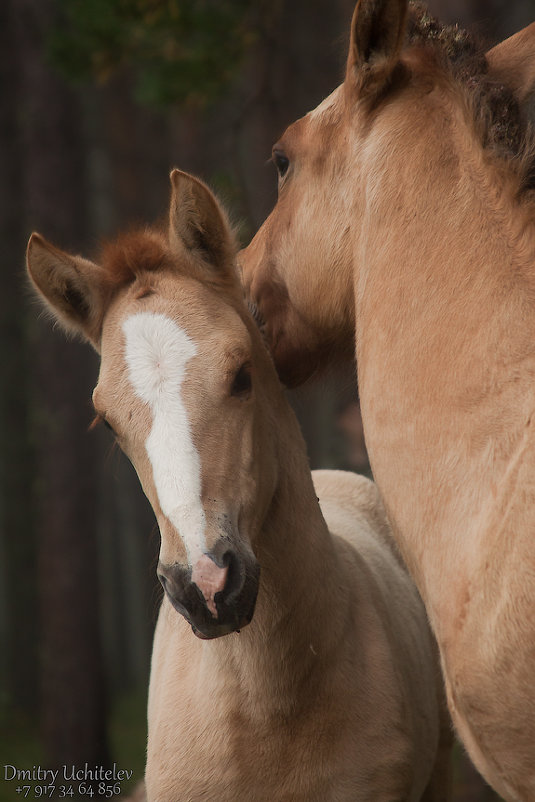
(256, 313)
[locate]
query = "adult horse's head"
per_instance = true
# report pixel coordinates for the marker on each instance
(411, 86)
(178, 385)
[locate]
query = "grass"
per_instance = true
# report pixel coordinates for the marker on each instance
(128, 735)
(20, 744)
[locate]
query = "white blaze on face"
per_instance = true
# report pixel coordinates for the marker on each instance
(157, 352)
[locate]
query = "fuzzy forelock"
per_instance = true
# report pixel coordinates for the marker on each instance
(133, 254)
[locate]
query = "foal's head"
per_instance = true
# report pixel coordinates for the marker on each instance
(178, 385)
(413, 88)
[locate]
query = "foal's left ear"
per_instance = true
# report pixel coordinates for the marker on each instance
(198, 223)
(377, 33)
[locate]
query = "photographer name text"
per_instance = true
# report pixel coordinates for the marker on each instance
(66, 774)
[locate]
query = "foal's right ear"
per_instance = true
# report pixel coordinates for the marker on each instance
(377, 34)
(72, 287)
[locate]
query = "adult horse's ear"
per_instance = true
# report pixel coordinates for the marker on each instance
(71, 286)
(377, 33)
(512, 63)
(198, 223)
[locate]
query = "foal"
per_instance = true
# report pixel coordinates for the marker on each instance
(324, 686)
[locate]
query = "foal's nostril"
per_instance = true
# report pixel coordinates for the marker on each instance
(174, 579)
(218, 594)
(163, 579)
(235, 573)
(211, 579)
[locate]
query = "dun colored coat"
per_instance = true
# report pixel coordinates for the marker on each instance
(313, 674)
(405, 229)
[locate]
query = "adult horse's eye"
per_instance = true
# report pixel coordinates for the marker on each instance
(281, 162)
(242, 383)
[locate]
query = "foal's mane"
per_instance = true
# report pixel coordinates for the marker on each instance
(497, 116)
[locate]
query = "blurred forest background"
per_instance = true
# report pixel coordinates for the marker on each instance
(100, 98)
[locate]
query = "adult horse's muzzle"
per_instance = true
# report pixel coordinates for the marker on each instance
(218, 595)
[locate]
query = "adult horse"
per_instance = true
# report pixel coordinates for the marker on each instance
(405, 227)
(331, 690)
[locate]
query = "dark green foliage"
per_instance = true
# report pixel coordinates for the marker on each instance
(177, 50)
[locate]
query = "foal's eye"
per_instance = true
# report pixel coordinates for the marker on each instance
(242, 383)
(281, 162)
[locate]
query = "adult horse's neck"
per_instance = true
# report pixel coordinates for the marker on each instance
(445, 315)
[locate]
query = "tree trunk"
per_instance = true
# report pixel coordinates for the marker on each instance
(73, 694)
(18, 619)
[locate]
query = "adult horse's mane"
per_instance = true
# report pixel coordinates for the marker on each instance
(450, 51)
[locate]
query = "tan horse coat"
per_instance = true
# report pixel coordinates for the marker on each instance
(332, 691)
(403, 226)
(328, 694)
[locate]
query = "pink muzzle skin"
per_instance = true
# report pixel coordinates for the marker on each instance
(210, 579)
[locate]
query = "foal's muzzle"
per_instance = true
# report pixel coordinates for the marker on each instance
(218, 595)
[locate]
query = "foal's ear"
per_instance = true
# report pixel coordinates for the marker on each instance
(72, 287)
(377, 32)
(198, 223)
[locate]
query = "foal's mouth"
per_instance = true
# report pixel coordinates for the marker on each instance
(207, 628)
(229, 609)
(218, 630)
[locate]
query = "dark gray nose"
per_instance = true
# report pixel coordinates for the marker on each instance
(218, 594)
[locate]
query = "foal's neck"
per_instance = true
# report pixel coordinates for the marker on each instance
(297, 621)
